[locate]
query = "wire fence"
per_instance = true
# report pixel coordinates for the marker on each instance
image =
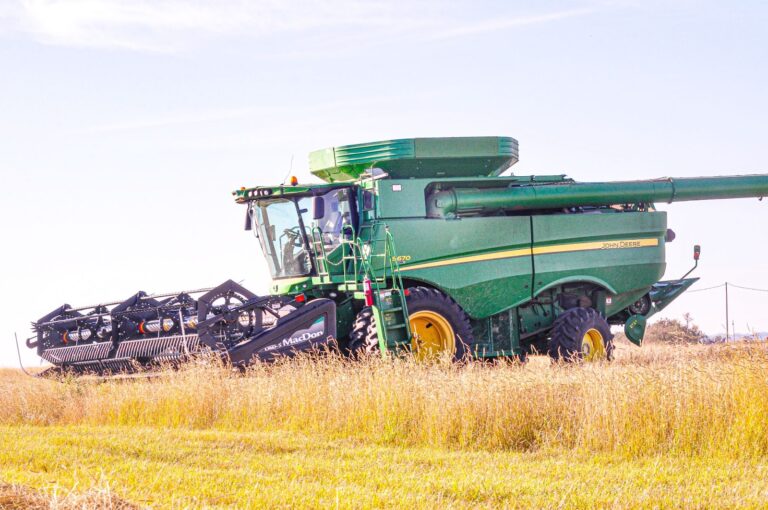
(729, 285)
(730, 324)
(747, 288)
(708, 288)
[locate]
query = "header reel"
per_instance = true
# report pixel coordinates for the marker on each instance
(147, 331)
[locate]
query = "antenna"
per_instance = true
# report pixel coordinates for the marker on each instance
(290, 170)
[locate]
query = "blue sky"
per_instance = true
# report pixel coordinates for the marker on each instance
(125, 125)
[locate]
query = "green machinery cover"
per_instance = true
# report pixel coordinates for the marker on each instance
(406, 158)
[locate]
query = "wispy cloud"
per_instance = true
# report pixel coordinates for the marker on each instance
(177, 25)
(506, 23)
(166, 25)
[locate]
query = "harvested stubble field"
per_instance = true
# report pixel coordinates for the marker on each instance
(660, 427)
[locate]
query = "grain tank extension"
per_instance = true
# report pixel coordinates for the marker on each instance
(415, 245)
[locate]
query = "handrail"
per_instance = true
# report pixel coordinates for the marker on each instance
(315, 241)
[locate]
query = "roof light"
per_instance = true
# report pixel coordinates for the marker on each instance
(294, 180)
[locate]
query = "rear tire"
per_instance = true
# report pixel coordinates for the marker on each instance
(581, 334)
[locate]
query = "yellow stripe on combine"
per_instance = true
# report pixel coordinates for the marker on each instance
(597, 245)
(507, 254)
(540, 250)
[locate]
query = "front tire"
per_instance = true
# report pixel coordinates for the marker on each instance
(363, 339)
(581, 334)
(439, 326)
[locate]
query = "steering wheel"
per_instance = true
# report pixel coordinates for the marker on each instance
(294, 236)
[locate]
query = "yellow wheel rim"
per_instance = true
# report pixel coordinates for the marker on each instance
(432, 335)
(593, 346)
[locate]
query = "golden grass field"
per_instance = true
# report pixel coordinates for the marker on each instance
(660, 427)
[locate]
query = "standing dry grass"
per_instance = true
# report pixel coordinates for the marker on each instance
(22, 498)
(692, 402)
(660, 400)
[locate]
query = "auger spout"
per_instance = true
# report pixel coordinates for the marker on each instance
(537, 196)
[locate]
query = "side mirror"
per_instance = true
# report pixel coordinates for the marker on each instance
(367, 200)
(248, 223)
(696, 253)
(318, 208)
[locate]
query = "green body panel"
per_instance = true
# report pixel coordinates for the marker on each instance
(401, 198)
(417, 157)
(600, 248)
(482, 286)
(482, 261)
(291, 285)
(504, 271)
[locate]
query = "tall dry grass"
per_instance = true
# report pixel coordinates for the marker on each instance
(16, 497)
(692, 400)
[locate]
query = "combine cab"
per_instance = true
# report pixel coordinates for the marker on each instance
(486, 265)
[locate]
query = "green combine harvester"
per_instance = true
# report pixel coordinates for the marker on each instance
(415, 246)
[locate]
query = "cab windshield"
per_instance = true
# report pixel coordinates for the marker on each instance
(288, 226)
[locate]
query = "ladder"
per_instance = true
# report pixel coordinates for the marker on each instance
(372, 255)
(376, 259)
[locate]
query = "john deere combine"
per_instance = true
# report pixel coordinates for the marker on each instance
(414, 245)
